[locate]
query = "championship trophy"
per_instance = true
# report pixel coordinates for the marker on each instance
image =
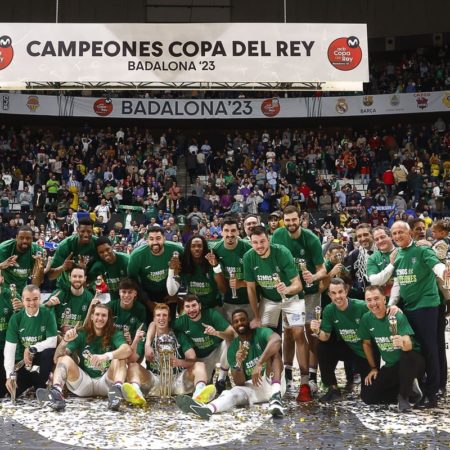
(244, 347)
(393, 326)
(276, 279)
(166, 347)
(339, 257)
(232, 272)
(317, 314)
(13, 378)
(302, 265)
(31, 367)
(13, 289)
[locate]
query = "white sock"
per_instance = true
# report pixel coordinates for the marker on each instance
(198, 388)
(136, 385)
(304, 379)
(276, 387)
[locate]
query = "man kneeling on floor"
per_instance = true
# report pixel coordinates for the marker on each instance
(256, 369)
(397, 380)
(101, 370)
(178, 373)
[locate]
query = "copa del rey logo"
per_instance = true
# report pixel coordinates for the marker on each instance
(345, 53)
(6, 52)
(271, 107)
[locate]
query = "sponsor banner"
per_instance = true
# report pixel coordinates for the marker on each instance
(165, 53)
(369, 105)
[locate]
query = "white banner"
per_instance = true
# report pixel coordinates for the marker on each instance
(202, 53)
(369, 105)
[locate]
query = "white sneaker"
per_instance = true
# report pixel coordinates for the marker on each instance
(313, 387)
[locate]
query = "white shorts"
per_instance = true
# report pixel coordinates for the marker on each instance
(293, 312)
(217, 356)
(311, 301)
(85, 386)
(228, 309)
(181, 384)
(250, 394)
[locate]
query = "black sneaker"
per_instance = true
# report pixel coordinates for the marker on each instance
(53, 396)
(276, 405)
(427, 402)
(221, 386)
(189, 406)
(403, 404)
(114, 397)
(332, 395)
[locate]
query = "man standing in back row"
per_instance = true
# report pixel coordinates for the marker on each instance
(305, 247)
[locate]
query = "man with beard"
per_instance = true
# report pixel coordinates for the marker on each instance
(200, 272)
(101, 370)
(230, 251)
(149, 266)
(21, 259)
(257, 369)
(112, 266)
(210, 333)
(71, 306)
(189, 375)
(416, 269)
(356, 261)
(30, 342)
(78, 249)
(303, 245)
(380, 265)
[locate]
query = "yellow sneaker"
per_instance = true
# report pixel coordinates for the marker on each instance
(206, 395)
(133, 394)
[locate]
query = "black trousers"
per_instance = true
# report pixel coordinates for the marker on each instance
(395, 380)
(333, 351)
(441, 347)
(3, 389)
(26, 379)
(424, 322)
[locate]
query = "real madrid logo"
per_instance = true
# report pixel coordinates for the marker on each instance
(341, 106)
(368, 100)
(395, 100)
(446, 100)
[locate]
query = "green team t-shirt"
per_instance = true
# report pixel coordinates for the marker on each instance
(378, 329)
(72, 309)
(27, 331)
(203, 285)
(20, 273)
(414, 273)
(151, 271)
(261, 270)
(95, 347)
(112, 273)
(68, 246)
(258, 343)
(306, 247)
(232, 260)
(204, 344)
(6, 311)
(132, 318)
(376, 263)
(345, 323)
(183, 344)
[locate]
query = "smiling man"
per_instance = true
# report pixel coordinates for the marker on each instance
(188, 374)
(257, 372)
(149, 266)
(102, 352)
(31, 337)
(397, 380)
(78, 249)
(342, 317)
(18, 259)
(416, 269)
